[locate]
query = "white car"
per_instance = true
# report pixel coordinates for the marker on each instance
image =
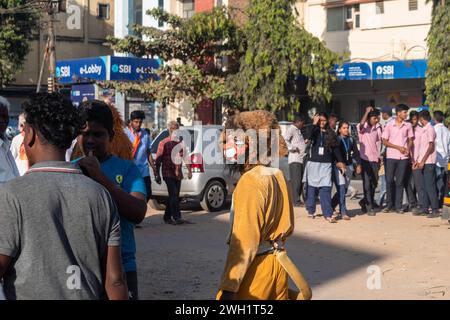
(212, 183)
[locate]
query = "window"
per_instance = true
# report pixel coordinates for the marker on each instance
(343, 18)
(335, 19)
(412, 5)
(138, 12)
(160, 6)
(103, 11)
(188, 9)
(379, 7)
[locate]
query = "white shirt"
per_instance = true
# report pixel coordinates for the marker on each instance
(16, 143)
(8, 168)
(442, 145)
(294, 140)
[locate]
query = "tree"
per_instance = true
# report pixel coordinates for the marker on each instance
(191, 49)
(17, 23)
(279, 51)
(437, 82)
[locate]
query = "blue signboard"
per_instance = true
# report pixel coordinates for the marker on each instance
(353, 71)
(133, 69)
(80, 70)
(406, 69)
(82, 92)
(403, 69)
(106, 68)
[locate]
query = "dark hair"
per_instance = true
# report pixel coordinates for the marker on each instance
(333, 115)
(331, 140)
(137, 114)
(54, 117)
(413, 114)
(374, 113)
(425, 114)
(299, 118)
(99, 112)
(341, 123)
(439, 116)
(401, 107)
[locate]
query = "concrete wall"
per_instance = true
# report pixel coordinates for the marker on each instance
(396, 34)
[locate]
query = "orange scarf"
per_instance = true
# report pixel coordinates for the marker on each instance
(136, 142)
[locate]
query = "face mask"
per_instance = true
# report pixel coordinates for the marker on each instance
(233, 149)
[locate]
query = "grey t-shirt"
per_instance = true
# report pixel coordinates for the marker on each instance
(56, 225)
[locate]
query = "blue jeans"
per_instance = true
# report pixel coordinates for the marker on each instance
(325, 200)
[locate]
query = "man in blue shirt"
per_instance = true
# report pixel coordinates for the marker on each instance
(120, 177)
(141, 141)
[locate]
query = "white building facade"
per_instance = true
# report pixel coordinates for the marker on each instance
(384, 47)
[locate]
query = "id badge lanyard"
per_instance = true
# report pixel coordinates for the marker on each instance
(321, 148)
(347, 147)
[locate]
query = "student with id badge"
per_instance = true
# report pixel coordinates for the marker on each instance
(318, 173)
(349, 150)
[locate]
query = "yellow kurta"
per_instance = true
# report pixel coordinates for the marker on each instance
(262, 212)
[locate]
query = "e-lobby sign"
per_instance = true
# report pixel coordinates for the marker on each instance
(79, 70)
(133, 69)
(403, 69)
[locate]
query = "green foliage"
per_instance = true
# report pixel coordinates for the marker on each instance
(279, 50)
(15, 33)
(438, 75)
(265, 57)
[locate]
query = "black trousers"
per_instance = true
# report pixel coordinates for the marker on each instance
(173, 203)
(425, 180)
(370, 181)
(148, 187)
(395, 182)
(296, 170)
(410, 187)
(132, 284)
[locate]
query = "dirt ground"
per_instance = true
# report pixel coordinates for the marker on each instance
(411, 253)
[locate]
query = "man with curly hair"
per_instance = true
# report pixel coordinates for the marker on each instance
(8, 168)
(59, 230)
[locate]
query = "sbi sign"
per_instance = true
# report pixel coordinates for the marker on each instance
(385, 70)
(63, 72)
(121, 68)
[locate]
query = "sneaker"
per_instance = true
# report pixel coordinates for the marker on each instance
(179, 221)
(387, 210)
(399, 211)
(372, 213)
(419, 212)
(434, 214)
(405, 209)
(169, 221)
(362, 203)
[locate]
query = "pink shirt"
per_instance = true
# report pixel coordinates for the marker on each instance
(418, 132)
(369, 142)
(397, 135)
(428, 135)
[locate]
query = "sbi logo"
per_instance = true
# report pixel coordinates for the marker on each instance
(63, 72)
(385, 70)
(122, 68)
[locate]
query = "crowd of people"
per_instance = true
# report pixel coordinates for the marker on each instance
(82, 176)
(407, 157)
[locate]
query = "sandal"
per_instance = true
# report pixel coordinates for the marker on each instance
(331, 220)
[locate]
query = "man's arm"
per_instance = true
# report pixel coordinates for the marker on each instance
(288, 138)
(114, 279)
(364, 118)
(387, 144)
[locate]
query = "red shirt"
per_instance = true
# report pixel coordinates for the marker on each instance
(164, 158)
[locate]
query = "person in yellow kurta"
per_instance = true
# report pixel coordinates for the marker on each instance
(261, 219)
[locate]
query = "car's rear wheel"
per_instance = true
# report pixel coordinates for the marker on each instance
(156, 205)
(214, 197)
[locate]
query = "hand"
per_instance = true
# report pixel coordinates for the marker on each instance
(316, 119)
(189, 174)
(403, 150)
(369, 109)
(91, 167)
(341, 166)
(420, 165)
(158, 179)
(358, 169)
